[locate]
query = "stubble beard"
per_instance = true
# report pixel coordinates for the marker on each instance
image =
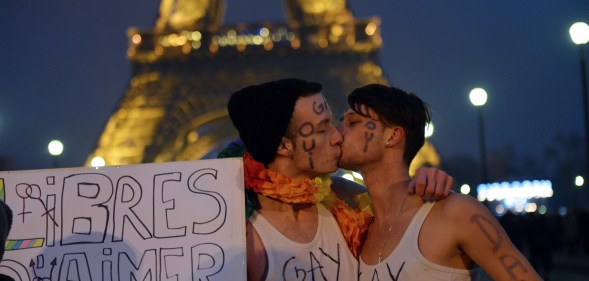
(345, 164)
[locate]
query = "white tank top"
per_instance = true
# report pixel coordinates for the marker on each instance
(407, 263)
(326, 257)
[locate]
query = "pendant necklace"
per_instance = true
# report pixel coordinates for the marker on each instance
(379, 253)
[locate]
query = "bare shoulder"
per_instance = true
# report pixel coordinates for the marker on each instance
(462, 214)
(460, 206)
(478, 234)
(346, 190)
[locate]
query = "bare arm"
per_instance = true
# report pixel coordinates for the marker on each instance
(481, 237)
(346, 190)
(428, 183)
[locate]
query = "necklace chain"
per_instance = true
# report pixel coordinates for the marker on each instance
(379, 253)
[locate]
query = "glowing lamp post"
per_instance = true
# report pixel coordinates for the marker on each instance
(579, 32)
(55, 148)
(97, 162)
(478, 97)
(579, 181)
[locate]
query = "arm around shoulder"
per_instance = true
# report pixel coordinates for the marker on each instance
(347, 190)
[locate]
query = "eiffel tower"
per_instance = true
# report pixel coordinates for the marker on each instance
(186, 67)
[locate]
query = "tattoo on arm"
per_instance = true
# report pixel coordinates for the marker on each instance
(510, 264)
(489, 229)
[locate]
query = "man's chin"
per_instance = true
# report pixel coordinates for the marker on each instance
(323, 172)
(342, 163)
(331, 169)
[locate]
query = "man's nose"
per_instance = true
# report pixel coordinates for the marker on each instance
(336, 137)
(340, 128)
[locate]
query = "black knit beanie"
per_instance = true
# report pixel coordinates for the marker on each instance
(261, 114)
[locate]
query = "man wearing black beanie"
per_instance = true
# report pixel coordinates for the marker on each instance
(299, 230)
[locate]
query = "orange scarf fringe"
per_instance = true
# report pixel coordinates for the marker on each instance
(352, 222)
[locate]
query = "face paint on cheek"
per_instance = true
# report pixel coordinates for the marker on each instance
(368, 136)
(309, 150)
(305, 130)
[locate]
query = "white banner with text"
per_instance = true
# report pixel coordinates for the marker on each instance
(170, 221)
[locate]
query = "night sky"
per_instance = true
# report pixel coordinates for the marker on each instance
(63, 68)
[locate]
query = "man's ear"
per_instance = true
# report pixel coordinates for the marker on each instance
(285, 148)
(394, 135)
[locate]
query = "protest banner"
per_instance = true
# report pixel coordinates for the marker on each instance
(168, 221)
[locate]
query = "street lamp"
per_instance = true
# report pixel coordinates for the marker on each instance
(579, 181)
(478, 97)
(97, 162)
(465, 189)
(55, 148)
(579, 32)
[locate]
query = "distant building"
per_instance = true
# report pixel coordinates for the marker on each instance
(185, 68)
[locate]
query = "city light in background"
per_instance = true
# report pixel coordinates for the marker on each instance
(579, 32)
(579, 181)
(478, 97)
(55, 148)
(429, 130)
(451, 92)
(97, 162)
(518, 197)
(465, 189)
